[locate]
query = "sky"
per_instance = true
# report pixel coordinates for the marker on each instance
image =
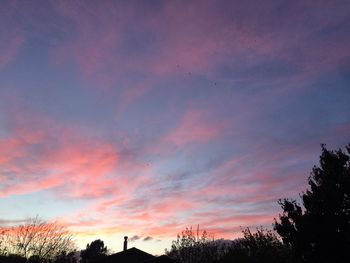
(142, 118)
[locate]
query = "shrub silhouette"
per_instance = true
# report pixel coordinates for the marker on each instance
(263, 246)
(193, 247)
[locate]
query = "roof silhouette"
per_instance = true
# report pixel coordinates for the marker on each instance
(131, 255)
(161, 259)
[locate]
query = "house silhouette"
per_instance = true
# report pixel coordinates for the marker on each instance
(134, 255)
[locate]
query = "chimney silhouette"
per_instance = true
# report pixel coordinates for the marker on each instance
(125, 243)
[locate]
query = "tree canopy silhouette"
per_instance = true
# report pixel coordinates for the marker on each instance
(94, 251)
(36, 240)
(12, 259)
(196, 247)
(318, 229)
(261, 246)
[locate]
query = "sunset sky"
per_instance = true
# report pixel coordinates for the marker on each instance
(141, 118)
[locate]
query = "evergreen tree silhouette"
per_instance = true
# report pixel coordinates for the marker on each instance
(318, 229)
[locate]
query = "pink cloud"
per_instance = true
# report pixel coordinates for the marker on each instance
(97, 36)
(82, 165)
(194, 128)
(11, 148)
(12, 35)
(200, 42)
(32, 186)
(171, 207)
(10, 45)
(239, 220)
(48, 155)
(133, 93)
(106, 43)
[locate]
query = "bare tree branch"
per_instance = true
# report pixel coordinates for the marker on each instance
(36, 238)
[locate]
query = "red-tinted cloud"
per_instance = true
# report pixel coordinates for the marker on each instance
(195, 127)
(46, 154)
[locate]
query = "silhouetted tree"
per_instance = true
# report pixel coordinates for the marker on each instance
(263, 246)
(2, 245)
(37, 239)
(66, 258)
(191, 247)
(36, 259)
(12, 259)
(94, 251)
(318, 229)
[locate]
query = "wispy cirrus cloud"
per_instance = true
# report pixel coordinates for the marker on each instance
(45, 155)
(195, 127)
(194, 46)
(10, 47)
(11, 35)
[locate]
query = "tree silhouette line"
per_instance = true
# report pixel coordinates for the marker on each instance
(314, 229)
